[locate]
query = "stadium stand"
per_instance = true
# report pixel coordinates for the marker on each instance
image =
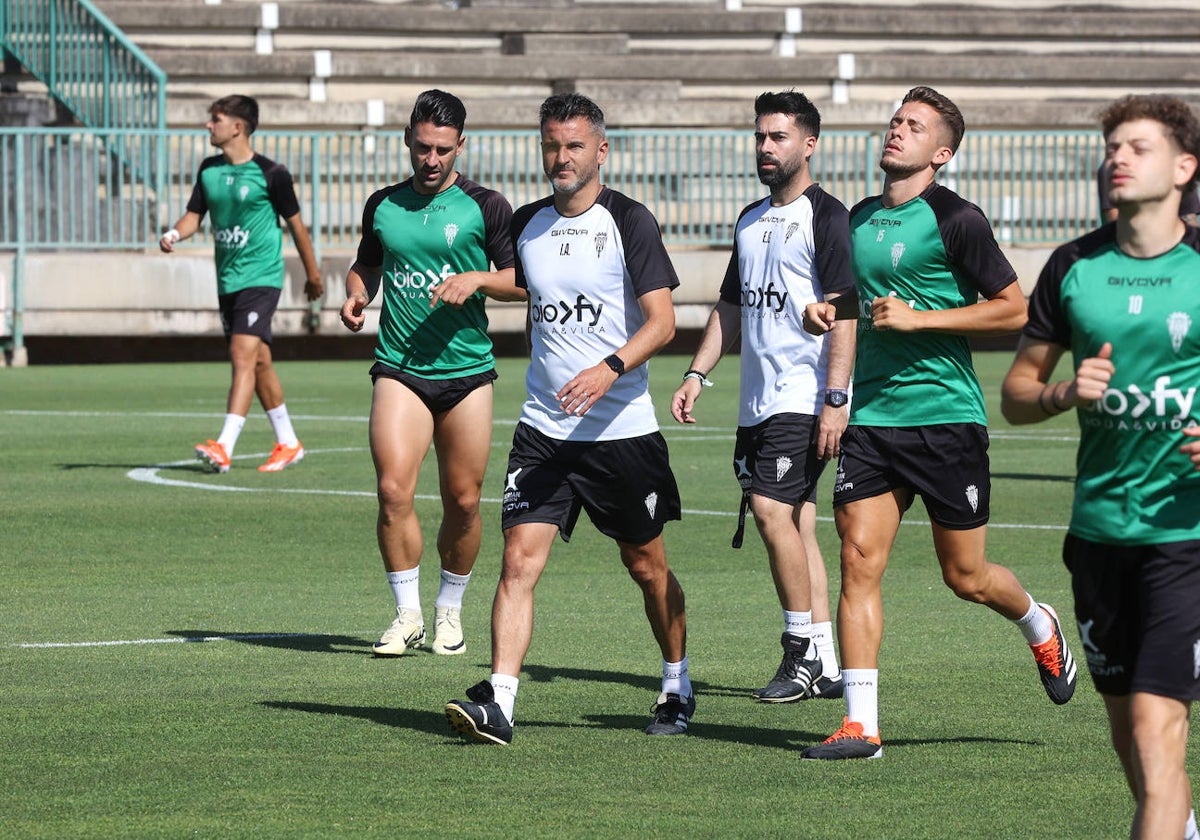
(661, 64)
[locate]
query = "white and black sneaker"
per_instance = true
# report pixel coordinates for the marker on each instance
(796, 674)
(672, 712)
(480, 717)
(826, 688)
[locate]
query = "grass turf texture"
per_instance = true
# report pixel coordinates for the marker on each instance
(284, 725)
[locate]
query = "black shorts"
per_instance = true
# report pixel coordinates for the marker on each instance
(626, 486)
(1138, 618)
(777, 458)
(249, 312)
(946, 465)
(439, 395)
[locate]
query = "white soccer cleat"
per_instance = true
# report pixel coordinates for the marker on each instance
(406, 630)
(447, 631)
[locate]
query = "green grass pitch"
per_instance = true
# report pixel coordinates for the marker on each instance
(187, 654)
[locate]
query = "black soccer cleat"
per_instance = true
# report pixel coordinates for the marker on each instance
(672, 713)
(480, 718)
(796, 674)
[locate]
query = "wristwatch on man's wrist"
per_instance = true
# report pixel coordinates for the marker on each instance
(836, 397)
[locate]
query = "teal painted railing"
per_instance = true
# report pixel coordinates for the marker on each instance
(68, 193)
(86, 62)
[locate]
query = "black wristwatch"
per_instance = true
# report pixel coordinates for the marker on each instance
(614, 362)
(836, 397)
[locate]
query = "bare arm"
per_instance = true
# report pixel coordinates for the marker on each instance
(720, 332)
(187, 225)
(590, 384)
(362, 282)
(1028, 396)
(456, 289)
(314, 287)
(1004, 313)
(842, 342)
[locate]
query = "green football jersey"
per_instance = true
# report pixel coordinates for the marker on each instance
(244, 202)
(1133, 485)
(935, 251)
(420, 241)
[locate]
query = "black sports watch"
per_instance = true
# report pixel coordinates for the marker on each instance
(614, 362)
(836, 397)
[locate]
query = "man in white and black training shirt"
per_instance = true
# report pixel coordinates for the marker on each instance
(790, 249)
(599, 283)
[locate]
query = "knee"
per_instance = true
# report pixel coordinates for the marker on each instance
(647, 569)
(395, 499)
(967, 586)
(462, 506)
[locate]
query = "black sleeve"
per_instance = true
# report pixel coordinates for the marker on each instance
(1047, 319)
(370, 249)
(497, 222)
(198, 203)
(520, 219)
(969, 242)
(279, 187)
(731, 284)
(646, 256)
(831, 242)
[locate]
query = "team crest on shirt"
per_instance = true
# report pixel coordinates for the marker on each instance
(451, 231)
(973, 497)
(600, 241)
(782, 464)
(652, 504)
(1178, 324)
(792, 228)
(897, 253)
(243, 192)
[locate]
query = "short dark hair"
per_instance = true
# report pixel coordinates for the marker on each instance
(792, 103)
(1171, 112)
(952, 118)
(568, 106)
(239, 107)
(440, 108)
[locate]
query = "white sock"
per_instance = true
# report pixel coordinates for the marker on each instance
(1035, 625)
(675, 679)
(797, 623)
(822, 636)
(862, 697)
(1190, 832)
(282, 424)
(405, 588)
(505, 689)
(451, 589)
(230, 431)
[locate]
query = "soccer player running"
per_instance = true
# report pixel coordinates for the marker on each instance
(1124, 301)
(922, 257)
(599, 282)
(428, 241)
(245, 194)
(789, 250)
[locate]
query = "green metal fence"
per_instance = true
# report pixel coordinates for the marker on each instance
(66, 189)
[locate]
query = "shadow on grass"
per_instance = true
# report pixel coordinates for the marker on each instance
(306, 642)
(647, 682)
(1067, 479)
(190, 467)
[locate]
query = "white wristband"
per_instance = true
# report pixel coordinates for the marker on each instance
(699, 377)
(172, 236)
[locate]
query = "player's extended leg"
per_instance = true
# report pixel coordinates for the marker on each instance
(801, 665)
(288, 449)
(829, 684)
(266, 381)
(868, 529)
(487, 713)
(1120, 727)
(462, 440)
(244, 357)
(967, 571)
(663, 599)
(401, 429)
(1160, 733)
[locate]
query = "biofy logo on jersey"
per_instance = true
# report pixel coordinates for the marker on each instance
(234, 237)
(409, 278)
(583, 311)
(1134, 409)
(767, 299)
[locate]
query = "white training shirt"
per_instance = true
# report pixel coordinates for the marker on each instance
(584, 276)
(783, 259)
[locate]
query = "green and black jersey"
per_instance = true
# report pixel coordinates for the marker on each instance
(420, 241)
(244, 202)
(1134, 486)
(935, 251)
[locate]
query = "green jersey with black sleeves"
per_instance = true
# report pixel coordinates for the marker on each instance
(244, 202)
(1133, 485)
(420, 241)
(935, 251)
